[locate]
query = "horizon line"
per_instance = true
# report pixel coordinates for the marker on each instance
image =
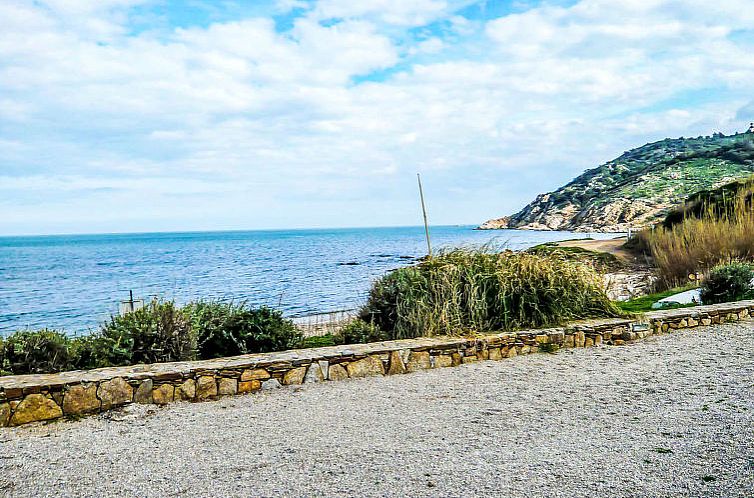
(230, 230)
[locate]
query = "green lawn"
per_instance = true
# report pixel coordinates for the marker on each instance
(644, 303)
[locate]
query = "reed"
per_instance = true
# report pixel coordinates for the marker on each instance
(478, 290)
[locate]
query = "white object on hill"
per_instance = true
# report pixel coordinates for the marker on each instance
(692, 296)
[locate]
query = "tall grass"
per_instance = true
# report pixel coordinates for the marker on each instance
(477, 290)
(708, 237)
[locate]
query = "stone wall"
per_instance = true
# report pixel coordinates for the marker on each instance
(33, 398)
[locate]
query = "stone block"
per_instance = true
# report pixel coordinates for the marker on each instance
(706, 322)
(569, 341)
(512, 351)
(366, 367)
(4, 414)
(494, 354)
(271, 384)
(143, 394)
(249, 386)
(337, 372)
(324, 367)
(206, 387)
(114, 392)
(469, 359)
(255, 374)
(294, 376)
(80, 399)
(35, 408)
(163, 394)
(314, 374)
(588, 342)
(444, 360)
(542, 339)
(597, 339)
(186, 391)
(579, 339)
(418, 360)
(395, 364)
(227, 386)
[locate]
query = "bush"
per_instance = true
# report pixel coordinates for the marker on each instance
(34, 352)
(728, 282)
(95, 351)
(359, 331)
(228, 329)
(159, 332)
(466, 290)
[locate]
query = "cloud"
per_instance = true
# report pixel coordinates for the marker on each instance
(335, 111)
(397, 12)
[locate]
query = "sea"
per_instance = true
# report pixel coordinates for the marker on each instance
(73, 283)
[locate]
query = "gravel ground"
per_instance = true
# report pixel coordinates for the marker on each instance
(669, 416)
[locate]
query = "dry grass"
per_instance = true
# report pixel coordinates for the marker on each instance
(700, 242)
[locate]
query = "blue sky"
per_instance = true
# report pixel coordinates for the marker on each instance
(149, 115)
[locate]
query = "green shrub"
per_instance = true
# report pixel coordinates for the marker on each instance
(359, 331)
(319, 341)
(228, 329)
(467, 290)
(34, 352)
(95, 351)
(728, 282)
(159, 332)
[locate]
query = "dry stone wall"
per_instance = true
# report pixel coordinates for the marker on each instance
(35, 398)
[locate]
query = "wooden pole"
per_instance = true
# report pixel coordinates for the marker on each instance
(424, 212)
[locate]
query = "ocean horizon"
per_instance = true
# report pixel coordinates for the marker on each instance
(75, 282)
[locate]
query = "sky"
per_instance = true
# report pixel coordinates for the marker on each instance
(161, 115)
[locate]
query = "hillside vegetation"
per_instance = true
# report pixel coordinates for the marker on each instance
(640, 187)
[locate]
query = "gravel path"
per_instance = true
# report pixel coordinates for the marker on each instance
(670, 416)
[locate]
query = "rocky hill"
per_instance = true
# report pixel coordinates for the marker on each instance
(638, 188)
